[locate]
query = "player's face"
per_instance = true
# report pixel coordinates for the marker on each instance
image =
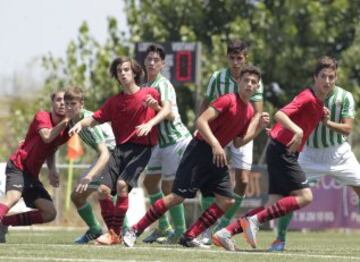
(153, 64)
(236, 60)
(125, 74)
(325, 80)
(58, 104)
(73, 108)
(248, 84)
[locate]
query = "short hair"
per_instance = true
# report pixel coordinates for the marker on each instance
(156, 48)
(135, 67)
(55, 92)
(74, 93)
(325, 62)
(237, 46)
(251, 70)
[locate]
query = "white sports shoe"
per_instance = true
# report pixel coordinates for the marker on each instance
(129, 237)
(250, 229)
(222, 238)
(205, 237)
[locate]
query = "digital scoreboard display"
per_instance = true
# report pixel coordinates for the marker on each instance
(182, 61)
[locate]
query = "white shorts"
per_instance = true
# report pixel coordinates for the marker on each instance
(339, 162)
(240, 158)
(165, 161)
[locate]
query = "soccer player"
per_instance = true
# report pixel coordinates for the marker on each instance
(132, 121)
(327, 151)
(47, 131)
(173, 137)
(102, 140)
(204, 166)
(288, 186)
(222, 82)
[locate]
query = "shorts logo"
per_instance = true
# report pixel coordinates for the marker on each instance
(17, 186)
(182, 190)
(305, 182)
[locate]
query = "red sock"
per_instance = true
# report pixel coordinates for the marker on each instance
(153, 214)
(24, 219)
(122, 204)
(282, 207)
(206, 220)
(107, 211)
(235, 227)
(3, 210)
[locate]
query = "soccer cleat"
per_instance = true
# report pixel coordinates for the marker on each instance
(157, 233)
(250, 230)
(205, 237)
(222, 238)
(109, 238)
(277, 246)
(130, 237)
(3, 232)
(87, 237)
(192, 242)
(171, 239)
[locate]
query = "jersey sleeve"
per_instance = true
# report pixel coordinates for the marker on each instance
(155, 94)
(94, 134)
(42, 120)
(211, 89)
(166, 91)
(258, 95)
(103, 114)
(299, 102)
(348, 107)
(222, 103)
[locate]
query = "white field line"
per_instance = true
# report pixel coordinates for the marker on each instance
(186, 250)
(27, 258)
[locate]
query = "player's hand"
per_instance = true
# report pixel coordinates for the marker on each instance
(21, 141)
(326, 116)
(83, 185)
(144, 129)
(219, 156)
(264, 120)
(295, 142)
(75, 129)
(150, 101)
(54, 179)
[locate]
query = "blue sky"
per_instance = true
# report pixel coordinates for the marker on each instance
(32, 28)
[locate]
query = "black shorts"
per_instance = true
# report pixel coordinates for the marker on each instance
(196, 171)
(126, 163)
(30, 187)
(285, 173)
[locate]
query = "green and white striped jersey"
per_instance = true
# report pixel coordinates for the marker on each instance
(169, 132)
(221, 83)
(93, 136)
(341, 105)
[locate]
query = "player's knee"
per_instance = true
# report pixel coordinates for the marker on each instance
(228, 202)
(305, 198)
(150, 185)
(77, 198)
(49, 214)
(121, 186)
(103, 191)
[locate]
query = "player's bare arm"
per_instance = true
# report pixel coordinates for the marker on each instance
(86, 122)
(219, 156)
(49, 134)
(258, 123)
(344, 127)
(286, 122)
(53, 174)
(104, 156)
(144, 129)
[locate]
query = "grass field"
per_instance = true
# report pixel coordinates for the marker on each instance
(36, 245)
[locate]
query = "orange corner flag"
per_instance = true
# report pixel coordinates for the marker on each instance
(74, 148)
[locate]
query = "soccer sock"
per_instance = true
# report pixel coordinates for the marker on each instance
(107, 211)
(3, 210)
(23, 219)
(87, 214)
(206, 220)
(224, 221)
(154, 213)
(163, 221)
(235, 227)
(178, 217)
(206, 202)
(282, 207)
(282, 226)
(122, 204)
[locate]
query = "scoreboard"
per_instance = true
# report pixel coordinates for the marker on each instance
(182, 61)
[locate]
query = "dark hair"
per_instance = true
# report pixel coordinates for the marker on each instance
(135, 67)
(251, 70)
(237, 46)
(74, 92)
(325, 62)
(55, 92)
(156, 48)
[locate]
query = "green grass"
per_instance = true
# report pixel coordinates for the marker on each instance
(35, 245)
